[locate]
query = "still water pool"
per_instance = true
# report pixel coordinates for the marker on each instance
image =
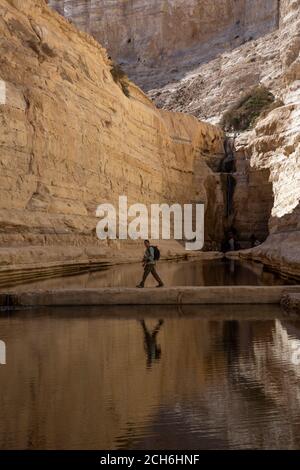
(150, 378)
(217, 272)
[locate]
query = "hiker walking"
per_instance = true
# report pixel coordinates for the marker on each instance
(151, 255)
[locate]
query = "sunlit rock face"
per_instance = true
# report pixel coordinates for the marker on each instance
(275, 145)
(157, 41)
(267, 193)
(70, 139)
(208, 90)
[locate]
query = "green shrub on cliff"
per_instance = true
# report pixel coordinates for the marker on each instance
(242, 115)
(120, 78)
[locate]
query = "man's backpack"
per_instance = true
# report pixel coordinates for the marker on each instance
(156, 253)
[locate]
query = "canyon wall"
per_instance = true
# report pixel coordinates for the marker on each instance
(208, 90)
(157, 41)
(267, 192)
(274, 145)
(71, 139)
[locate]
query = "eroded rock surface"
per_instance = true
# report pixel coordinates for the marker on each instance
(291, 303)
(70, 140)
(158, 41)
(210, 89)
(267, 192)
(274, 145)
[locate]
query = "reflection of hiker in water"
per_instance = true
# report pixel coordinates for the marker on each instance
(152, 349)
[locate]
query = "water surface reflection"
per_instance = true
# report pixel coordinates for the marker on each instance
(195, 378)
(218, 272)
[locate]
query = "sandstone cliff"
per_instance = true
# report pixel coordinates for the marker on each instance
(158, 41)
(270, 153)
(70, 139)
(208, 90)
(274, 145)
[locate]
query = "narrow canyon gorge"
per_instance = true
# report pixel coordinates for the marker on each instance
(76, 132)
(124, 326)
(71, 139)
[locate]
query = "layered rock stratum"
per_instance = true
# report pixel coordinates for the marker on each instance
(205, 55)
(158, 41)
(268, 156)
(210, 89)
(71, 139)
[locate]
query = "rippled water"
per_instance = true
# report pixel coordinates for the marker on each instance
(118, 378)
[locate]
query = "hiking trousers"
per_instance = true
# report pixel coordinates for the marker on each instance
(150, 268)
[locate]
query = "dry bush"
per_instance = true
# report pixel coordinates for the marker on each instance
(120, 78)
(242, 115)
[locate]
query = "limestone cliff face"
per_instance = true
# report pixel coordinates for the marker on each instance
(158, 40)
(210, 89)
(70, 139)
(274, 146)
(267, 193)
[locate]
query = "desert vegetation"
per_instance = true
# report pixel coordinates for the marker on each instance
(120, 78)
(244, 113)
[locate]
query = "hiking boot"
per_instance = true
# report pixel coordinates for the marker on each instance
(140, 286)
